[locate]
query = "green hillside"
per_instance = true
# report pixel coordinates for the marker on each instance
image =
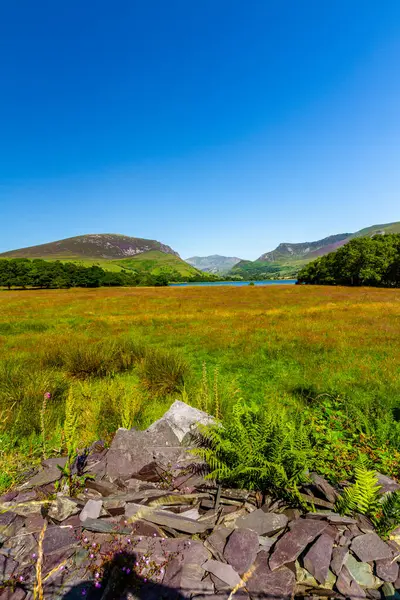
(156, 262)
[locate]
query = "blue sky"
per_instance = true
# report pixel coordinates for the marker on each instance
(220, 126)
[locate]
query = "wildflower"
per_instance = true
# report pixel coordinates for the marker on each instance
(93, 545)
(34, 555)
(97, 584)
(85, 540)
(21, 578)
(92, 556)
(97, 575)
(145, 580)
(128, 571)
(47, 395)
(129, 540)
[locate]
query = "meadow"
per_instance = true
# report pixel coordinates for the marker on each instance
(326, 356)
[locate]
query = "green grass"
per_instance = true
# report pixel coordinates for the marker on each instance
(331, 355)
(155, 262)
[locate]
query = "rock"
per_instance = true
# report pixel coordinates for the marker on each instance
(56, 538)
(389, 591)
(292, 544)
(163, 517)
(262, 522)
(91, 510)
(9, 594)
(219, 537)
(62, 508)
(183, 420)
(347, 586)
(324, 487)
(341, 520)
(104, 487)
(387, 484)
(264, 583)
(361, 572)
(9, 523)
(241, 549)
(8, 566)
(304, 577)
(105, 526)
(185, 572)
(52, 463)
(387, 569)
(373, 594)
(20, 547)
(48, 475)
(370, 547)
(318, 558)
(364, 524)
(133, 453)
(339, 556)
(224, 572)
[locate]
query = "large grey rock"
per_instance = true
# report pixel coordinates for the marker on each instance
(263, 522)
(370, 547)
(183, 420)
(265, 584)
(323, 487)
(318, 558)
(387, 569)
(56, 538)
(219, 537)
(348, 587)
(7, 567)
(91, 510)
(225, 572)
(292, 544)
(142, 454)
(241, 549)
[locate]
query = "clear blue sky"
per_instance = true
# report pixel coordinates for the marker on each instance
(216, 126)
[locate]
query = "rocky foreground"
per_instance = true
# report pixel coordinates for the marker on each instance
(148, 526)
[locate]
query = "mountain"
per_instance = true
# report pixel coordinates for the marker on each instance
(108, 246)
(287, 258)
(214, 263)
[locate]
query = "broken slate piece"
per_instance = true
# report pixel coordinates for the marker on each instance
(241, 549)
(347, 586)
(224, 572)
(318, 558)
(361, 572)
(387, 569)
(91, 510)
(62, 508)
(370, 547)
(264, 584)
(339, 556)
(324, 487)
(165, 518)
(387, 484)
(262, 522)
(292, 544)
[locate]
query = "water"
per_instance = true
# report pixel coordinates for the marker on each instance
(239, 283)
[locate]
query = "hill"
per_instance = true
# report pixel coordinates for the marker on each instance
(287, 258)
(108, 246)
(214, 263)
(156, 262)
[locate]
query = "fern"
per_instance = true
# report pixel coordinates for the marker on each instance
(389, 515)
(363, 495)
(258, 448)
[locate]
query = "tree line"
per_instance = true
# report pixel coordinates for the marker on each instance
(369, 261)
(38, 273)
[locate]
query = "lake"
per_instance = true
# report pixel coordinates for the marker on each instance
(238, 283)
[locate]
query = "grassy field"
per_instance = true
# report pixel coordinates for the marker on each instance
(120, 356)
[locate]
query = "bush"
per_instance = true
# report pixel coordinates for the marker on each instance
(164, 372)
(258, 448)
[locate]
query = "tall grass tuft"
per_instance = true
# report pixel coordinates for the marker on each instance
(81, 357)
(164, 372)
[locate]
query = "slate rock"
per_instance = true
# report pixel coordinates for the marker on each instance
(387, 569)
(165, 518)
(91, 510)
(7, 567)
(62, 508)
(185, 572)
(56, 538)
(361, 572)
(348, 587)
(9, 594)
(219, 537)
(241, 549)
(292, 544)
(225, 572)
(339, 556)
(264, 583)
(369, 547)
(323, 487)
(183, 420)
(51, 463)
(389, 591)
(341, 520)
(263, 522)
(9, 523)
(132, 453)
(387, 484)
(44, 477)
(318, 558)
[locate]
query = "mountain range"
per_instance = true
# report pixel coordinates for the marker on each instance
(115, 252)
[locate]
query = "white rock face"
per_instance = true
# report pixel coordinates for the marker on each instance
(183, 420)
